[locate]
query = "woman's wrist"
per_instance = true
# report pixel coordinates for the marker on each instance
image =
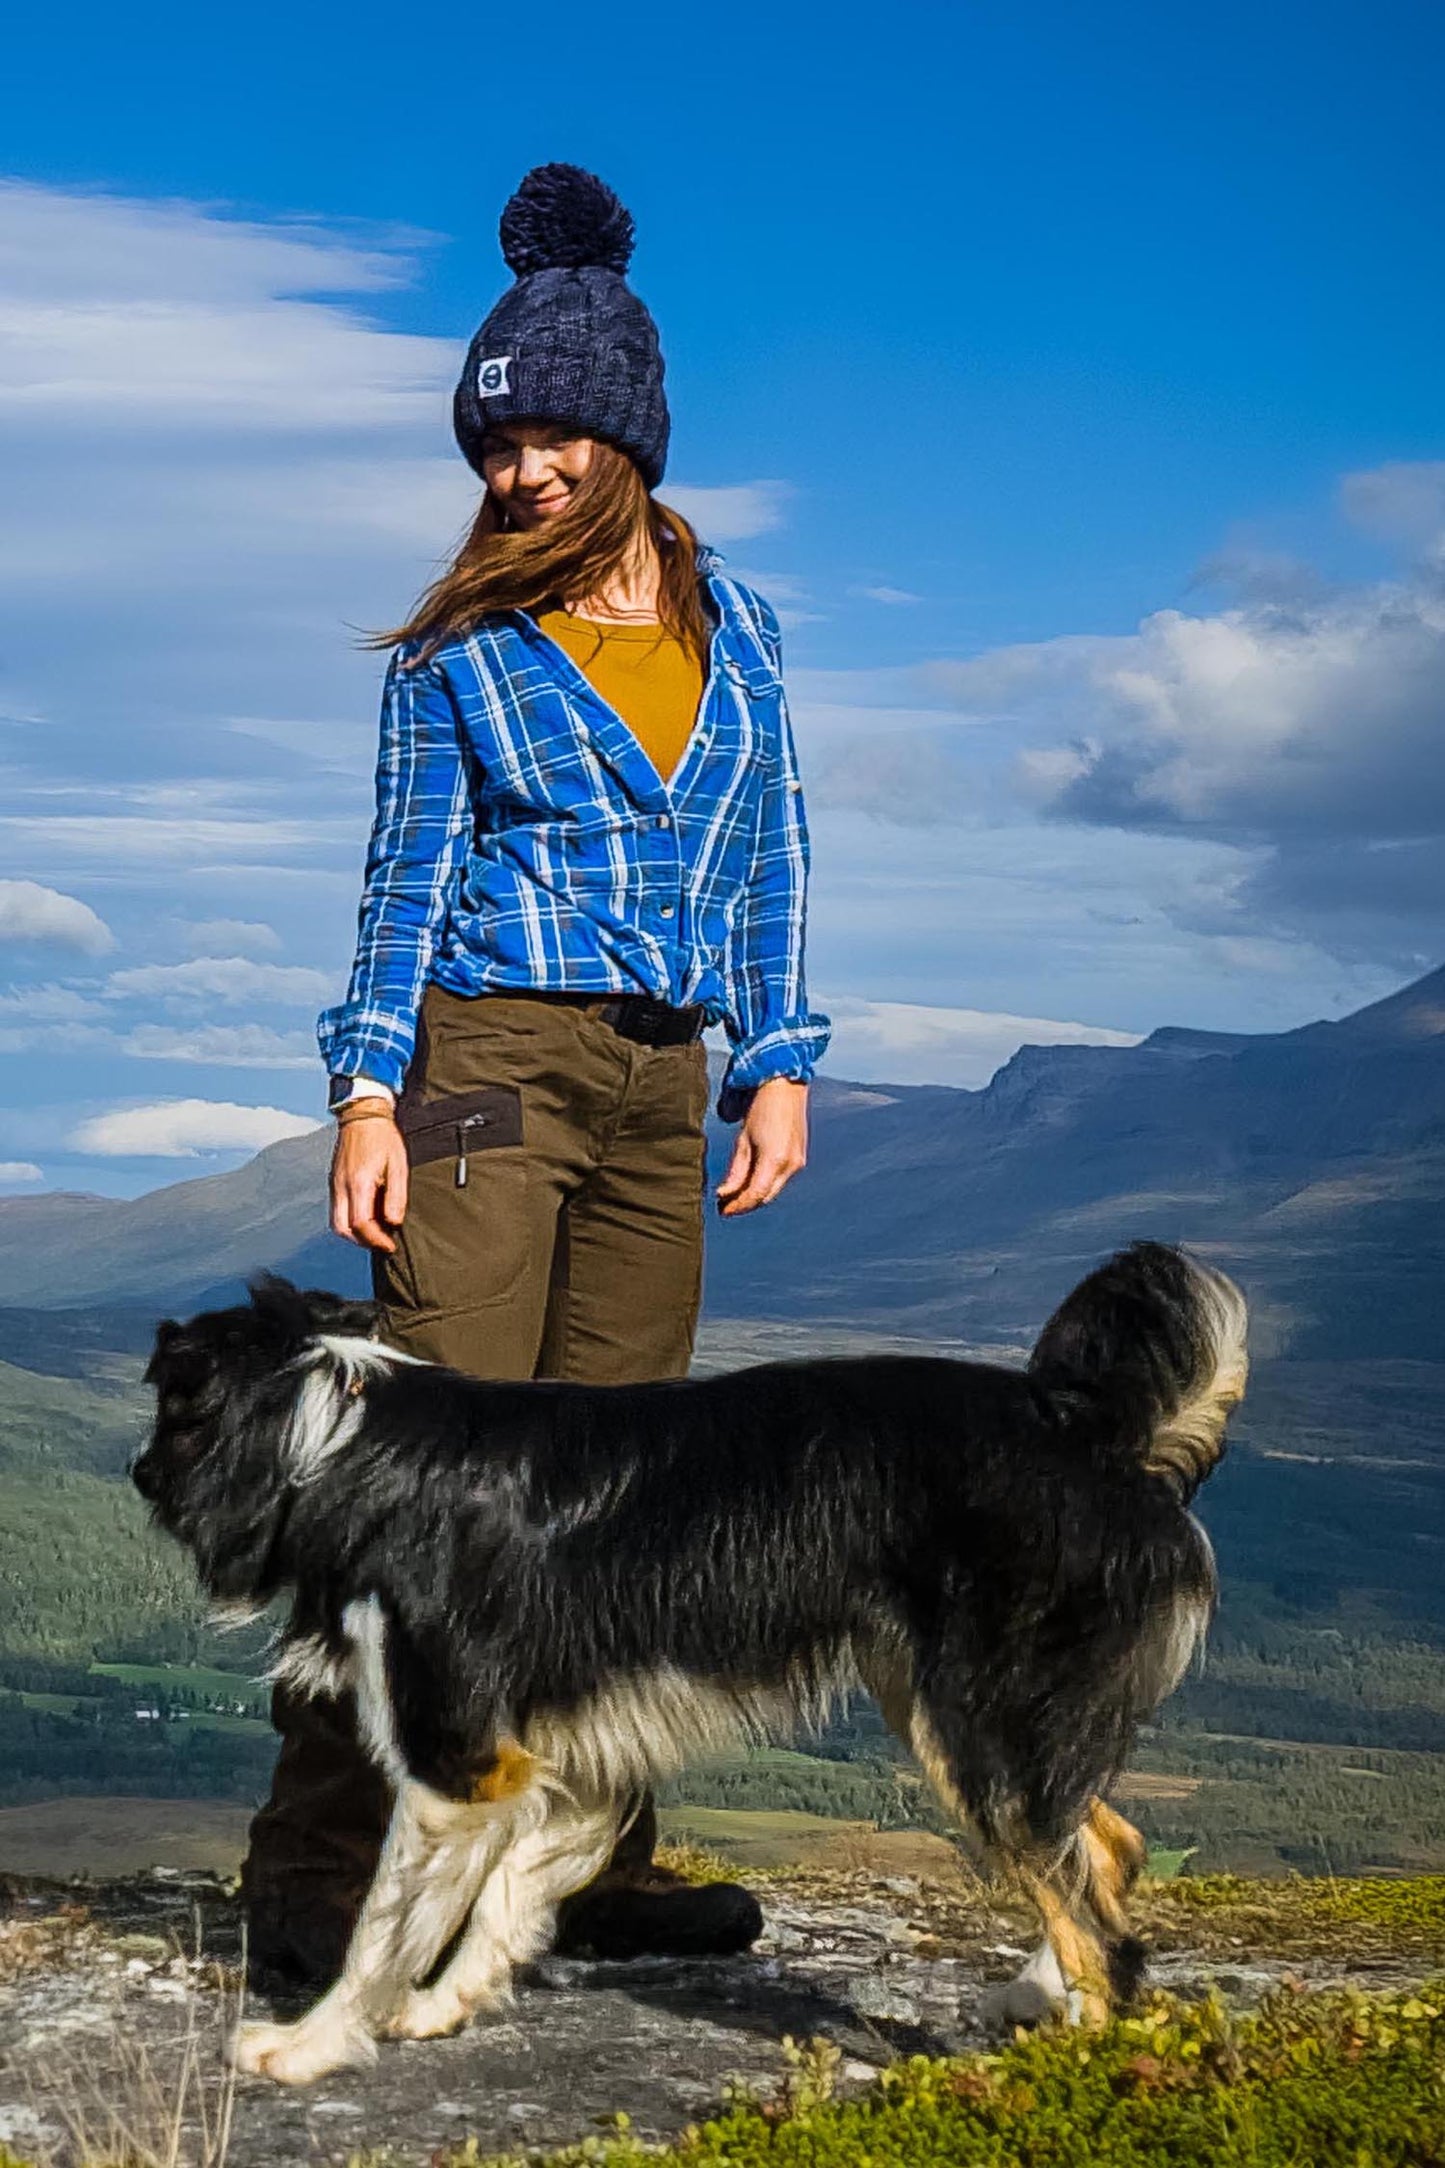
(364, 1110)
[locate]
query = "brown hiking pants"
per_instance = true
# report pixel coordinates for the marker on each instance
(554, 1229)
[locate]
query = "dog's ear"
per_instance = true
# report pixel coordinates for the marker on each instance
(284, 1312)
(183, 1358)
(339, 1314)
(297, 1314)
(167, 1334)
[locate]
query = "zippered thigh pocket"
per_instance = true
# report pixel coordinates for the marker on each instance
(467, 1241)
(460, 1125)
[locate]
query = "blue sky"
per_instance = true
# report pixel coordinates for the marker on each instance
(1069, 378)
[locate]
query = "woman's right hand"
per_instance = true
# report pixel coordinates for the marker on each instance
(368, 1181)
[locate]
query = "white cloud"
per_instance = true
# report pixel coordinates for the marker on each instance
(788, 595)
(49, 1004)
(230, 937)
(103, 842)
(901, 1042)
(1267, 719)
(236, 1046)
(890, 596)
(57, 243)
(1403, 501)
(1306, 724)
(732, 513)
(31, 912)
(223, 978)
(185, 1128)
(346, 749)
(1326, 716)
(18, 1173)
(869, 740)
(168, 313)
(998, 912)
(86, 1039)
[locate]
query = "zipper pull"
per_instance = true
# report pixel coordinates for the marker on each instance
(473, 1121)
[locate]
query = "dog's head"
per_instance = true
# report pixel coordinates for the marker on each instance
(214, 1470)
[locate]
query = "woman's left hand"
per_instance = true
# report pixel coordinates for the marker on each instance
(772, 1145)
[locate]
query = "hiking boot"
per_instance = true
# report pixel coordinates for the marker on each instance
(665, 1917)
(637, 1909)
(295, 1944)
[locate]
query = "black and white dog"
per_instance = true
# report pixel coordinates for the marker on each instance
(545, 1596)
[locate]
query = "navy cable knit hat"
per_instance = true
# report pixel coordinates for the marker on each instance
(570, 341)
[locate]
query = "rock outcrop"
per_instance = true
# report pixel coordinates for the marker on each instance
(115, 2001)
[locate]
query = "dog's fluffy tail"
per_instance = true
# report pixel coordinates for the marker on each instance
(1159, 1337)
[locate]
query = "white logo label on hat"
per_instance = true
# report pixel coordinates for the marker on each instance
(492, 376)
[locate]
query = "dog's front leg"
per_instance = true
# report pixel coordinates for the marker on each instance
(436, 1855)
(553, 1846)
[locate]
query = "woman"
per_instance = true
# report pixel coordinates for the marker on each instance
(589, 845)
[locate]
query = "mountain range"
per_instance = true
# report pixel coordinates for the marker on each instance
(1310, 1162)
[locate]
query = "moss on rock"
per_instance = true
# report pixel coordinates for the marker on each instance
(1336, 2081)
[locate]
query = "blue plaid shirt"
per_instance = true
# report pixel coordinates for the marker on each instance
(524, 839)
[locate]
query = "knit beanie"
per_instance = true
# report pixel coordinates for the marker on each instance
(570, 341)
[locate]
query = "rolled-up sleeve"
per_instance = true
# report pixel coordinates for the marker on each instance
(418, 842)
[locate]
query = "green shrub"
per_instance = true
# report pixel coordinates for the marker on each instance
(1355, 1921)
(1392, 1902)
(1309, 2081)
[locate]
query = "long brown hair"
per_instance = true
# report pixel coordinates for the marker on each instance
(611, 515)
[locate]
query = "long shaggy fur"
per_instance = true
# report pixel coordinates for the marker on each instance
(546, 1594)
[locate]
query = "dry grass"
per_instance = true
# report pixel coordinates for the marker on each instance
(138, 2115)
(119, 2102)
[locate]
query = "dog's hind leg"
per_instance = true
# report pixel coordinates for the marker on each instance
(511, 1919)
(1071, 1974)
(1115, 1856)
(1079, 1960)
(437, 1854)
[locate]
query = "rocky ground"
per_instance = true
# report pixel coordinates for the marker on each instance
(115, 2000)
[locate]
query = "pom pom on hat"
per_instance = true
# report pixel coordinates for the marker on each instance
(562, 218)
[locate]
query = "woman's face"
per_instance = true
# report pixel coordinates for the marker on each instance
(532, 468)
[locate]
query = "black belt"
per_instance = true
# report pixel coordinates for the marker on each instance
(632, 1016)
(653, 1023)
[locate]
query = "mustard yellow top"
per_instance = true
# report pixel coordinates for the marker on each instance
(653, 680)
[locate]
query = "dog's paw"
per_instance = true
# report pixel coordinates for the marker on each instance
(431, 2013)
(1023, 2002)
(300, 2054)
(1038, 1996)
(427, 2013)
(1027, 2002)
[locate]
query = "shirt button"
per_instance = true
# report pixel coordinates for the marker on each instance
(667, 910)
(664, 820)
